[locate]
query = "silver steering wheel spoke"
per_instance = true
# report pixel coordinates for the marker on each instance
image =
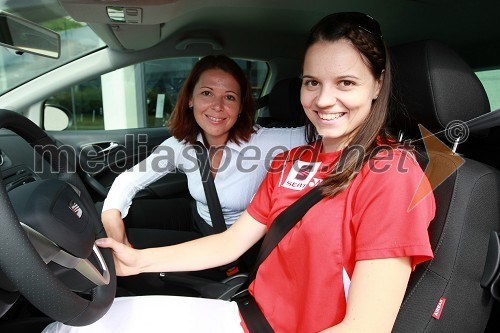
(51, 252)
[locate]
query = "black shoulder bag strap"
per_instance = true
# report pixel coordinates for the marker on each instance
(284, 222)
(218, 222)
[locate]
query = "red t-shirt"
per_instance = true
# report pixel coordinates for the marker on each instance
(302, 285)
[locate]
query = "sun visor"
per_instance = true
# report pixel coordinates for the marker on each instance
(136, 37)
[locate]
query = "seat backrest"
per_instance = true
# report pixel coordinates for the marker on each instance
(283, 103)
(444, 294)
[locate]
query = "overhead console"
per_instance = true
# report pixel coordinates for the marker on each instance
(127, 24)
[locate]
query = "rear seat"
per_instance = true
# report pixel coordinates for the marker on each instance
(283, 103)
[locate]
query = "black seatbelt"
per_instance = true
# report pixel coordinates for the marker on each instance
(214, 207)
(283, 223)
(254, 319)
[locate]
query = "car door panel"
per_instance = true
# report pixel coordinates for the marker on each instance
(102, 155)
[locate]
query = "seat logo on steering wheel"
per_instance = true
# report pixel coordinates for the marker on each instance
(73, 206)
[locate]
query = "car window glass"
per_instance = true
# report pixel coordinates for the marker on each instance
(137, 96)
(77, 40)
(491, 82)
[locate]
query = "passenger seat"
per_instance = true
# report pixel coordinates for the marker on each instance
(437, 87)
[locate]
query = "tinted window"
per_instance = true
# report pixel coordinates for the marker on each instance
(491, 82)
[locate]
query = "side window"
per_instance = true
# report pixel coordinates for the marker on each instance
(491, 82)
(141, 95)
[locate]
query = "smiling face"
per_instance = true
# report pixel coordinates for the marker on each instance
(216, 103)
(337, 91)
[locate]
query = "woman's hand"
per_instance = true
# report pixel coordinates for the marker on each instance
(114, 226)
(202, 253)
(127, 259)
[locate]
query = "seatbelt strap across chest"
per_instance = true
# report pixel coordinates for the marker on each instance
(283, 223)
(214, 207)
(255, 320)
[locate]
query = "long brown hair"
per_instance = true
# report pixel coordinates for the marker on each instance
(182, 123)
(363, 32)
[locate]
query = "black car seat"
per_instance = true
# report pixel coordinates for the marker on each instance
(283, 105)
(444, 295)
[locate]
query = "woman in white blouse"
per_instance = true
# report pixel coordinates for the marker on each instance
(215, 107)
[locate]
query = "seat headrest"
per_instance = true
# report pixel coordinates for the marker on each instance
(284, 103)
(435, 85)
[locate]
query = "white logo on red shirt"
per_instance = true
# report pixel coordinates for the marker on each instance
(301, 174)
(315, 181)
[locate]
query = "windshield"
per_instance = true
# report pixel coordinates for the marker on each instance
(77, 39)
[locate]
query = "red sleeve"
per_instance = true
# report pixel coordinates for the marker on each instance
(384, 223)
(261, 204)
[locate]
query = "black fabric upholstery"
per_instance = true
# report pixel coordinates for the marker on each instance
(284, 105)
(437, 88)
(467, 210)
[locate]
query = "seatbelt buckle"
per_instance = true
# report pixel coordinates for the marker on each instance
(232, 271)
(231, 268)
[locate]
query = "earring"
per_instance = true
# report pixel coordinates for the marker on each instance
(190, 108)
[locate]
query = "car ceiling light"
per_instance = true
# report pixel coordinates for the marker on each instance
(125, 14)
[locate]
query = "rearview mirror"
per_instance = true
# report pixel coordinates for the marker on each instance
(25, 36)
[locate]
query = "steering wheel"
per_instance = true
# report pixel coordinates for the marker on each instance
(59, 225)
